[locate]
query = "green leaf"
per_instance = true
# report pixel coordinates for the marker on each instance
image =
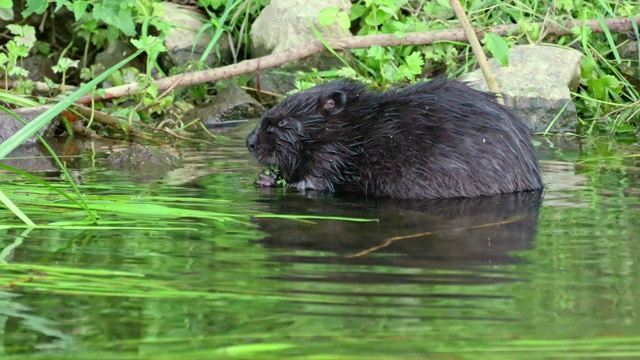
(153, 45)
(347, 72)
(112, 13)
(28, 36)
(412, 67)
(376, 52)
(564, 4)
(532, 30)
(214, 4)
(587, 66)
(376, 18)
(6, 14)
(79, 9)
(35, 6)
(328, 16)
(343, 20)
(16, 51)
(15, 29)
(599, 87)
(415, 62)
(18, 71)
(59, 4)
(152, 90)
(64, 64)
(357, 10)
(6, 10)
(391, 11)
(498, 48)
(596, 87)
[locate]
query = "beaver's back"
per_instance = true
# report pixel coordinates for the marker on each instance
(443, 139)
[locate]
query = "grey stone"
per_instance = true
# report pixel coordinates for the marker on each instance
(276, 82)
(113, 54)
(537, 84)
(183, 42)
(30, 155)
(40, 66)
(9, 126)
(143, 162)
(285, 24)
(230, 106)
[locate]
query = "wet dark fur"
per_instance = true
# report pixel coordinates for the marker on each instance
(437, 139)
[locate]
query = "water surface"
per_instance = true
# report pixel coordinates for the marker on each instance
(531, 275)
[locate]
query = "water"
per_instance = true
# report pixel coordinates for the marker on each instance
(517, 276)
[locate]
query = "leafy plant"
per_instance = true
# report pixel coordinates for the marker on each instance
(15, 50)
(63, 65)
(604, 93)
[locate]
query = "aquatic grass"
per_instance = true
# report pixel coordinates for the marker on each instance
(113, 283)
(376, 345)
(14, 209)
(101, 226)
(16, 99)
(42, 200)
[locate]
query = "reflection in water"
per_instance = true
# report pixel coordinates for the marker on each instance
(421, 250)
(441, 233)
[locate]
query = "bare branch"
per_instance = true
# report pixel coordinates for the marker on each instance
(354, 42)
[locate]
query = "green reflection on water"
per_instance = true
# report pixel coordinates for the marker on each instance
(193, 287)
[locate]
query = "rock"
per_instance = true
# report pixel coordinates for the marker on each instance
(274, 82)
(39, 66)
(30, 155)
(228, 108)
(537, 84)
(114, 53)
(629, 66)
(9, 125)
(183, 35)
(284, 25)
(145, 163)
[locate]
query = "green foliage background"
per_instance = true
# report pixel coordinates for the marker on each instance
(607, 99)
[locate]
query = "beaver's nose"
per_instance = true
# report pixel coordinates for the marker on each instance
(251, 141)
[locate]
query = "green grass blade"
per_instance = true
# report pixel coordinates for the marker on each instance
(44, 183)
(11, 206)
(10, 98)
(635, 31)
(612, 44)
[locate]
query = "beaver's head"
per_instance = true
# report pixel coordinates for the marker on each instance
(288, 135)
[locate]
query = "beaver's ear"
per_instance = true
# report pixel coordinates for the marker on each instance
(333, 103)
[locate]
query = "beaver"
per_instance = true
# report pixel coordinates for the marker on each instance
(435, 139)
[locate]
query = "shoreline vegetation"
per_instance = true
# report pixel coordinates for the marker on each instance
(90, 91)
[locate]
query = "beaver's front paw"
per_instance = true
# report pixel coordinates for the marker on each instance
(267, 180)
